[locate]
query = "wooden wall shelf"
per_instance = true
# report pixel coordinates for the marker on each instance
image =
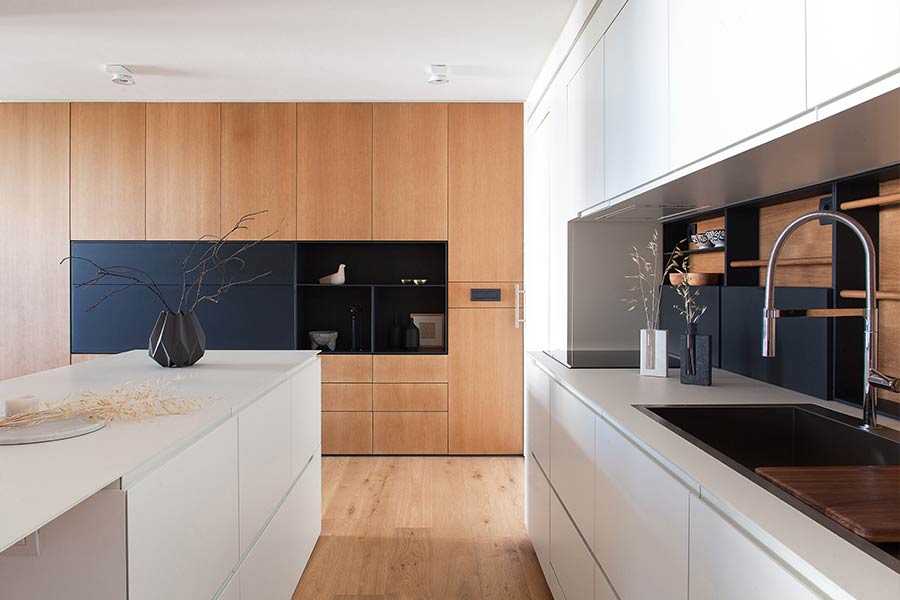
(873, 201)
(861, 295)
(784, 262)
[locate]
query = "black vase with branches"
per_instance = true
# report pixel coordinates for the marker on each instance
(177, 339)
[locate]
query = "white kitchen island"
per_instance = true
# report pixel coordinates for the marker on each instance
(221, 502)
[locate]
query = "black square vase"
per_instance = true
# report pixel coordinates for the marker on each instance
(701, 374)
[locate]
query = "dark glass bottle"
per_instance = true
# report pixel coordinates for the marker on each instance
(411, 341)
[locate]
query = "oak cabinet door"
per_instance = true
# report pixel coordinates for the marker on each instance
(259, 168)
(410, 175)
(485, 404)
(485, 185)
(183, 170)
(107, 171)
(334, 171)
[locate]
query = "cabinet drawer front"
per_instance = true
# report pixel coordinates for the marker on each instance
(642, 511)
(411, 369)
(572, 562)
(186, 508)
(277, 560)
(460, 295)
(572, 457)
(264, 432)
(341, 368)
(410, 397)
(347, 397)
(537, 394)
(537, 508)
(306, 406)
(410, 433)
(346, 433)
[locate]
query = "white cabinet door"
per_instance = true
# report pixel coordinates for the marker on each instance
(275, 563)
(735, 69)
(849, 44)
(306, 416)
(642, 518)
(584, 131)
(726, 564)
(572, 456)
(537, 233)
(537, 416)
(537, 511)
(571, 560)
(602, 589)
(264, 430)
(636, 96)
(183, 522)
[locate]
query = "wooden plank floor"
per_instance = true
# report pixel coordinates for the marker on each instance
(422, 528)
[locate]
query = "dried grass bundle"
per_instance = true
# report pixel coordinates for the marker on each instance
(129, 402)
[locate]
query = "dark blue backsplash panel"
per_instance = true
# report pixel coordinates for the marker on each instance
(258, 316)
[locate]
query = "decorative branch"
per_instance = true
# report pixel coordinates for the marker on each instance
(691, 310)
(649, 280)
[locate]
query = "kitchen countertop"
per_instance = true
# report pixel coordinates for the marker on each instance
(39, 482)
(830, 562)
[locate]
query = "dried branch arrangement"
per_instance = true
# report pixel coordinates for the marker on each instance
(649, 280)
(130, 402)
(217, 264)
(690, 308)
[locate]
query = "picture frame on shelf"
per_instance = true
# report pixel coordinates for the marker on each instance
(431, 329)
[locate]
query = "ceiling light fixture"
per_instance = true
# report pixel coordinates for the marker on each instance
(120, 75)
(438, 75)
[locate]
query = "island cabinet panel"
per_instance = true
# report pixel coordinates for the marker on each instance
(410, 433)
(743, 572)
(107, 170)
(334, 171)
(276, 561)
(485, 192)
(485, 406)
(641, 512)
(186, 509)
(410, 174)
(537, 406)
(34, 236)
(265, 429)
(569, 556)
(572, 457)
(183, 170)
(306, 425)
(259, 168)
(537, 513)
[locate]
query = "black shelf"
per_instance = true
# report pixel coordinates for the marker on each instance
(698, 251)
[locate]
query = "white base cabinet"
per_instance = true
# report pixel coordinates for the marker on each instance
(571, 560)
(572, 457)
(727, 564)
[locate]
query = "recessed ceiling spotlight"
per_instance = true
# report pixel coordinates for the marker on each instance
(438, 75)
(120, 75)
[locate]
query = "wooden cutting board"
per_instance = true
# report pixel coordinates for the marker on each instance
(865, 500)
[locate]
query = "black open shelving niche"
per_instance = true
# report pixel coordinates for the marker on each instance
(275, 312)
(373, 282)
(818, 356)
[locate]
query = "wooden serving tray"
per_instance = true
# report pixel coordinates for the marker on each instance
(865, 500)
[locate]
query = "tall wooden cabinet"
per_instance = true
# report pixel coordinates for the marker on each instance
(183, 170)
(334, 171)
(34, 237)
(410, 173)
(107, 171)
(259, 162)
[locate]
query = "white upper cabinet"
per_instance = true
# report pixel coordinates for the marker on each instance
(584, 131)
(636, 147)
(849, 44)
(735, 69)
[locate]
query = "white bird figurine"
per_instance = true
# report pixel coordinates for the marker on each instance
(336, 278)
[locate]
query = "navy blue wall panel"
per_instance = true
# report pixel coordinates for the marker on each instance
(670, 319)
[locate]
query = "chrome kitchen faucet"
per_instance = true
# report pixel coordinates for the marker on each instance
(873, 379)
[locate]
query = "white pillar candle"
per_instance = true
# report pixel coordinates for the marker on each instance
(22, 404)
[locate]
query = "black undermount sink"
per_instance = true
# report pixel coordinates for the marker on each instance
(785, 435)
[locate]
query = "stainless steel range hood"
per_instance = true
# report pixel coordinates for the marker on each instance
(860, 139)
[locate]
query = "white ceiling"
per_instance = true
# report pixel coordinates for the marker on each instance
(275, 49)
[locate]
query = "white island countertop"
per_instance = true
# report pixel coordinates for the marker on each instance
(39, 482)
(830, 562)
